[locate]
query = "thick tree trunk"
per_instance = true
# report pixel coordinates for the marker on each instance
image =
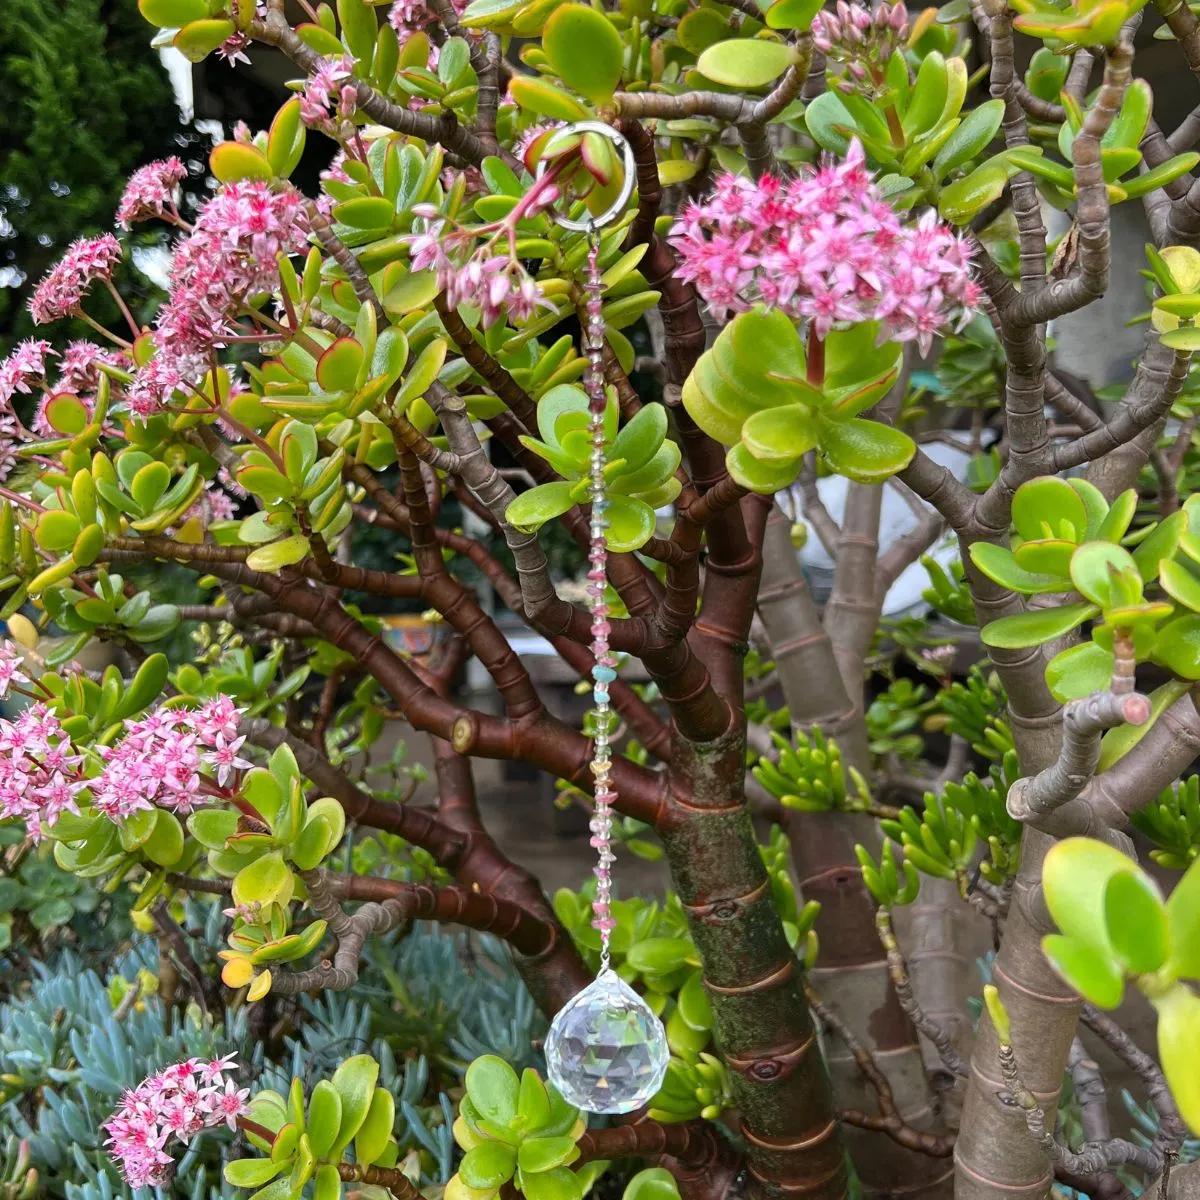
(995, 1158)
(852, 975)
(761, 1018)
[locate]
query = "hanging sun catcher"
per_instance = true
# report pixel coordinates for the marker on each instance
(606, 1051)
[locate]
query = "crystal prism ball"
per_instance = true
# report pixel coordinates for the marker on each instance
(606, 1051)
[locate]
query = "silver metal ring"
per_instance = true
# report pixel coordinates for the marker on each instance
(618, 205)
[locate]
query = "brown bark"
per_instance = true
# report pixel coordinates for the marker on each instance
(852, 971)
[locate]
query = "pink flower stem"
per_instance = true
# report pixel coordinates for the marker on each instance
(532, 199)
(244, 1123)
(24, 501)
(253, 438)
(100, 329)
(171, 214)
(246, 808)
(298, 336)
(360, 146)
(116, 295)
(815, 354)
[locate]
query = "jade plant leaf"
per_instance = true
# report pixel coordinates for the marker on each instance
(1000, 566)
(1177, 646)
(1183, 922)
(1076, 873)
(780, 434)
(1092, 973)
(585, 49)
(745, 62)
(493, 1088)
(1093, 566)
(1049, 507)
(1079, 671)
(532, 509)
(1137, 922)
(865, 451)
(1033, 628)
(1178, 1035)
(355, 1082)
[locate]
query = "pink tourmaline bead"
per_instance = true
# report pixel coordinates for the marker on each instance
(605, 924)
(601, 627)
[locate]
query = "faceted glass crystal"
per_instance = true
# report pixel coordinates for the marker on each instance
(606, 1051)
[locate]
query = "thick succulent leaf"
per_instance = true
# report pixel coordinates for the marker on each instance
(1076, 873)
(1136, 920)
(1001, 566)
(745, 62)
(1178, 1036)
(1160, 543)
(1036, 627)
(1183, 922)
(640, 439)
(1092, 568)
(652, 475)
(756, 476)
(856, 359)
(1179, 583)
(1092, 973)
(865, 451)
(1177, 646)
(1046, 556)
(493, 1088)
(780, 434)
(532, 509)
(1049, 507)
(630, 524)
(585, 49)
(1079, 671)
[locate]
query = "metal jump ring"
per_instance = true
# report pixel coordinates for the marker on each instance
(618, 205)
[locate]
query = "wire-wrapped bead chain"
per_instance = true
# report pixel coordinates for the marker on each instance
(605, 669)
(606, 1051)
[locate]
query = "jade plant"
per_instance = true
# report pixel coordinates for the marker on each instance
(824, 254)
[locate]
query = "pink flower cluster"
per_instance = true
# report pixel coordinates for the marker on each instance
(408, 16)
(178, 1102)
(490, 277)
(861, 39)
(10, 668)
(65, 285)
(828, 249)
(229, 258)
(160, 759)
(39, 773)
(233, 48)
(496, 284)
(151, 191)
(24, 369)
(325, 96)
(80, 363)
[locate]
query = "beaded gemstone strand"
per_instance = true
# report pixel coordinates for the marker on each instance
(605, 669)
